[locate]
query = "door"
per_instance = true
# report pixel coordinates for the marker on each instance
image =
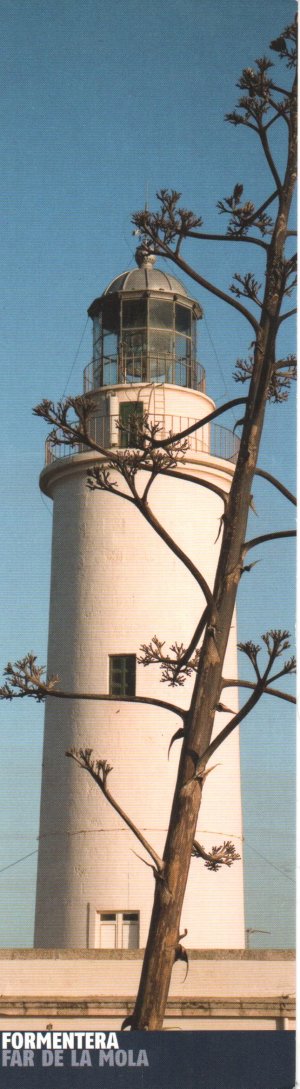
(131, 415)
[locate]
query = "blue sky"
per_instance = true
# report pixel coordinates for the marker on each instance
(101, 105)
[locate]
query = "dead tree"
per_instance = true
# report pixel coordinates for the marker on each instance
(264, 103)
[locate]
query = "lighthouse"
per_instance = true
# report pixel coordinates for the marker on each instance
(114, 585)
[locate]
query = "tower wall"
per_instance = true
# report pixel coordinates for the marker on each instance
(114, 584)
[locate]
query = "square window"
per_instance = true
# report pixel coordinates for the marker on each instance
(122, 673)
(117, 930)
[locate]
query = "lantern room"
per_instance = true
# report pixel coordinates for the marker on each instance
(144, 330)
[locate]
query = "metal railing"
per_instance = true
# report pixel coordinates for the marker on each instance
(143, 366)
(212, 439)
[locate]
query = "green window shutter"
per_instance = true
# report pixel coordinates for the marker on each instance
(131, 414)
(122, 671)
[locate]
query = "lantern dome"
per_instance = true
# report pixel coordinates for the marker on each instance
(146, 278)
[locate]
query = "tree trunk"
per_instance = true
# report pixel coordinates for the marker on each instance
(164, 928)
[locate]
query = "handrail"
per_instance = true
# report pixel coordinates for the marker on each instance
(143, 366)
(212, 439)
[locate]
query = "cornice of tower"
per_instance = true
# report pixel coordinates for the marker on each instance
(204, 465)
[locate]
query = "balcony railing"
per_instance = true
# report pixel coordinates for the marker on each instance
(105, 431)
(143, 366)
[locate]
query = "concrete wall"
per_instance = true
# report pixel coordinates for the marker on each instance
(222, 989)
(114, 585)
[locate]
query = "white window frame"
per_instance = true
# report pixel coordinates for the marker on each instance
(118, 918)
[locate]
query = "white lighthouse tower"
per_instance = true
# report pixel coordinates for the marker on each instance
(114, 584)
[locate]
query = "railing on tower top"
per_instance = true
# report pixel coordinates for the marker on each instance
(211, 439)
(143, 366)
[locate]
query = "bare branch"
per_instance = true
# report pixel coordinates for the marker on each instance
(268, 537)
(288, 668)
(213, 290)
(225, 855)
(246, 286)
(129, 464)
(186, 656)
(288, 314)
(277, 484)
(190, 478)
(99, 771)
(284, 371)
(276, 641)
(233, 683)
(175, 669)
(281, 45)
(229, 238)
(201, 423)
(178, 665)
(98, 479)
(281, 110)
(182, 954)
(169, 541)
(269, 157)
(179, 734)
(251, 650)
(25, 679)
(158, 231)
(243, 216)
(258, 212)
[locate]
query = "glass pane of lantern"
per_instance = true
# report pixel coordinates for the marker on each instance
(161, 313)
(111, 315)
(182, 319)
(110, 372)
(160, 343)
(97, 337)
(134, 313)
(110, 359)
(135, 343)
(110, 344)
(183, 347)
(181, 373)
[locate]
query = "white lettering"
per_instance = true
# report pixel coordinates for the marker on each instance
(17, 1040)
(56, 1041)
(67, 1039)
(100, 1039)
(121, 1058)
(16, 1058)
(58, 1058)
(131, 1061)
(6, 1055)
(83, 1060)
(47, 1058)
(43, 1039)
(142, 1059)
(106, 1057)
(112, 1040)
(29, 1039)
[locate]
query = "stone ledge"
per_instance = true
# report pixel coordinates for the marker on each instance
(273, 1006)
(137, 954)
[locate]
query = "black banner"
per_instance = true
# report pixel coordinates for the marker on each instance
(156, 1060)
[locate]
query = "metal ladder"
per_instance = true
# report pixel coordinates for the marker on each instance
(159, 405)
